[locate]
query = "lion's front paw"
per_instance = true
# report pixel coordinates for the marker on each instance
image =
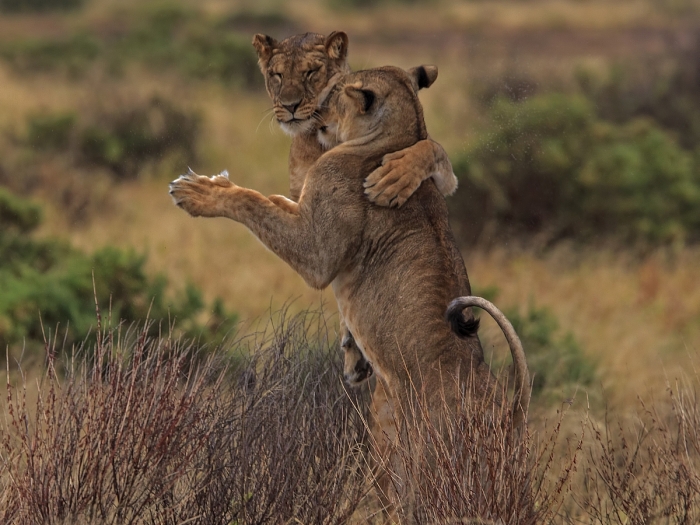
(392, 183)
(198, 195)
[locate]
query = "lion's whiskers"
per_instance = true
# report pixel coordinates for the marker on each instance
(266, 113)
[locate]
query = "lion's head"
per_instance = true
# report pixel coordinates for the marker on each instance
(379, 102)
(297, 72)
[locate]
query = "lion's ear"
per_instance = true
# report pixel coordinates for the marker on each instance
(364, 98)
(423, 76)
(337, 46)
(264, 45)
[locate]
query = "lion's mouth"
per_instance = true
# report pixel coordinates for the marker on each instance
(293, 121)
(296, 125)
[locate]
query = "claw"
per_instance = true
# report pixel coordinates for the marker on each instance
(224, 174)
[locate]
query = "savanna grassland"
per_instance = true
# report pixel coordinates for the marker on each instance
(573, 126)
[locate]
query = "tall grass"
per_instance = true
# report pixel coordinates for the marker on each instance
(141, 429)
(468, 463)
(148, 430)
(647, 471)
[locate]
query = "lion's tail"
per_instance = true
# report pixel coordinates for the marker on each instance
(466, 328)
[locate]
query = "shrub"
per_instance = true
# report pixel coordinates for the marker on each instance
(166, 37)
(15, 6)
(663, 88)
(50, 131)
(125, 139)
(226, 57)
(49, 282)
(364, 4)
(467, 465)
(198, 47)
(17, 214)
(251, 22)
(72, 55)
(555, 359)
(138, 432)
(548, 168)
(647, 471)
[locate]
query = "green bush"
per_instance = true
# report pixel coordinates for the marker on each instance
(549, 168)
(555, 359)
(49, 282)
(123, 139)
(165, 37)
(17, 214)
(362, 4)
(71, 55)
(665, 89)
(221, 56)
(197, 46)
(17, 6)
(50, 131)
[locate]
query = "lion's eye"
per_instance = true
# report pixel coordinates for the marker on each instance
(312, 72)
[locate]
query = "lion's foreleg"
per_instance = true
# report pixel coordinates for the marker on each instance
(279, 225)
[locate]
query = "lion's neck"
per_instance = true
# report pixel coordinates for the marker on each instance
(372, 145)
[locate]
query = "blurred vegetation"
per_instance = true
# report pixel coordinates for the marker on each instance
(48, 285)
(120, 139)
(665, 90)
(167, 37)
(549, 166)
(23, 6)
(617, 162)
(368, 4)
(555, 358)
(73, 157)
(70, 55)
(614, 160)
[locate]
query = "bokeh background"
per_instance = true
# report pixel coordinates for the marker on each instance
(573, 126)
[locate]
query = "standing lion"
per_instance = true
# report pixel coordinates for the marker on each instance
(393, 271)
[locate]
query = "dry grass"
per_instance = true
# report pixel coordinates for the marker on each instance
(646, 470)
(636, 317)
(465, 462)
(157, 431)
(139, 430)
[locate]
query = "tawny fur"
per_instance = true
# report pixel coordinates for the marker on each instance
(299, 73)
(393, 272)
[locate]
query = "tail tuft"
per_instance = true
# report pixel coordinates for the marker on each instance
(462, 327)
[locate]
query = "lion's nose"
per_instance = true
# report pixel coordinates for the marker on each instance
(292, 106)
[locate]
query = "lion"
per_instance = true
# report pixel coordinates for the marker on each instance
(394, 272)
(299, 73)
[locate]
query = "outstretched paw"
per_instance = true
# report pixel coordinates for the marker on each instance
(198, 195)
(392, 183)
